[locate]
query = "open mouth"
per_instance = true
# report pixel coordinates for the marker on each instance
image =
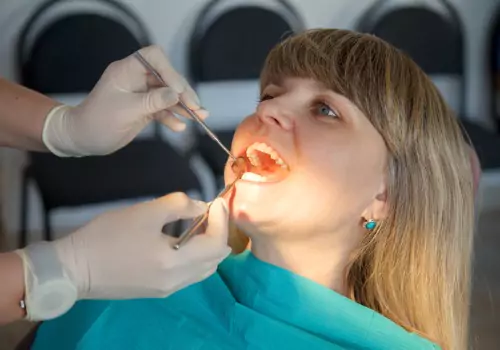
(264, 164)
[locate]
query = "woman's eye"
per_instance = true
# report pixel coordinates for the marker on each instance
(265, 97)
(325, 111)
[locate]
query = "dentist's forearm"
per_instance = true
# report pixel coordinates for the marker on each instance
(22, 115)
(11, 287)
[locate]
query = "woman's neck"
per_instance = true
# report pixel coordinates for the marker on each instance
(323, 263)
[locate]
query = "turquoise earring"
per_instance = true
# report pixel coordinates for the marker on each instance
(370, 224)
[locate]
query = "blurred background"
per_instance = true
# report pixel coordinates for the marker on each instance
(61, 48)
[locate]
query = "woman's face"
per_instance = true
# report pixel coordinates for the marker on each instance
(324, 164)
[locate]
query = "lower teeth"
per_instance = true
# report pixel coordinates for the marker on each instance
(253, 177)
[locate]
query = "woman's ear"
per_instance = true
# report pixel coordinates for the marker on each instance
(237, 240)
(378, 208)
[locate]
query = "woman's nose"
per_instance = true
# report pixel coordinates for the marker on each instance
(273, 114)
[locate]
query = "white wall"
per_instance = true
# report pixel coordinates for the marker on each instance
(170, 22)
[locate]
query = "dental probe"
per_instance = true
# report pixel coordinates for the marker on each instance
(239, 165)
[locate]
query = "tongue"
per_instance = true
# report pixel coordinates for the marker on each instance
(267, 164)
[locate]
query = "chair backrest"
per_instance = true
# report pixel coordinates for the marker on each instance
(65, 46)
(227, 50)
(430, 32)
(495, 67)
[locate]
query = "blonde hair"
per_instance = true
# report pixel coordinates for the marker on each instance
(414, 268)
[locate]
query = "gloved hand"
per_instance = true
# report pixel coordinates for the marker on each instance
(122, 103)
(123, 254)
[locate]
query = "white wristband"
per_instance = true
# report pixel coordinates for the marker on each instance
(49, 291)
(54, 134)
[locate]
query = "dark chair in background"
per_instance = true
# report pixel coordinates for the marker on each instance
(227, 50)
(63, 49)
(494, 57)
(431, 35)
(437, 47)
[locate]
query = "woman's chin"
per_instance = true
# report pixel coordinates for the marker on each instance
(253, 216)
(250, 200)
(253, 200)
(242, 210)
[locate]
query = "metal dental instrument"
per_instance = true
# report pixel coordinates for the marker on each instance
(193, 115)
(239, 164)
(200, 220)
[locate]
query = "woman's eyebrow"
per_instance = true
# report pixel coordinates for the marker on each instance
(338, 98)
(334, 95)
(330, 96)
(272, 87)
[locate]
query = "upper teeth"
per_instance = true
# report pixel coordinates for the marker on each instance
(262, 147)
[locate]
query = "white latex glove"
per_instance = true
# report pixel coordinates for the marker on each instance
(122, 103)
(123, 254)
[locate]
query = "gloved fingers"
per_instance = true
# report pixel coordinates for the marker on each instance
(199, 249)
(218, 220)
(152, 82)
(202, 249)
(159, 61)
(159, 99)
(156, 58)
(217, 232)
(172, 207)
(168, 119)
(214, 240)
(196, 270)
(189, 97)
(201, 275)
(177, 109)
(190, 277)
